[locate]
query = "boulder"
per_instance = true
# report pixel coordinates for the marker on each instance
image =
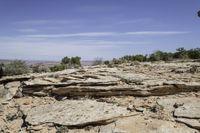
(13, 88)
(10, 90)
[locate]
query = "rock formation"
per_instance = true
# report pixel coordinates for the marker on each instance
(145, 97)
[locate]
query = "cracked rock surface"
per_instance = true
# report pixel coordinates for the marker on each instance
(75, 113)
(129, 98)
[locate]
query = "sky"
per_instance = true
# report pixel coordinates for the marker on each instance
(52, 29)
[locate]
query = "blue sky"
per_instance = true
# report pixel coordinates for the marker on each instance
(52, 29)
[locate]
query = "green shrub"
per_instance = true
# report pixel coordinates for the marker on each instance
(117, 61)
(181, 53)
(107, 62)
(75, 61)
(65, 60)
(131, 58)
(97, 61)
(194, 53)
(59, 67)
(159, 55)
(156, 56)
(40, 68)
(16, 67)
(140, 58)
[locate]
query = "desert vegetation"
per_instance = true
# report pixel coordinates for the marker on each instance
(97, 61)
(18, 67)
(39, 68)
(179, 54)
(67, 62)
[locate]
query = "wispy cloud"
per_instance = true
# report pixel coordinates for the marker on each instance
(96, 8)
(56, 49)
(42, 22)
(27, 30)
(83, 34)
(157, 33)
(134, 21)
(100, 34)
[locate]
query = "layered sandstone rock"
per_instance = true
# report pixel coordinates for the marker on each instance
(143, 97)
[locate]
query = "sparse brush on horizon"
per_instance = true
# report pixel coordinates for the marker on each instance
(18, 67)
(66, 63)
(181, 53)
(97, 61)
(40, 68)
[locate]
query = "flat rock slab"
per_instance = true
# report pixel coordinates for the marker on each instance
(75, 113)
(131, 77)
(194, 123)
(169, 103)
(139, 124)
(37, 81)
(189, 110)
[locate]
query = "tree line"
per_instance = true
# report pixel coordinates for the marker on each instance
(18, 67)
(181, 53)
